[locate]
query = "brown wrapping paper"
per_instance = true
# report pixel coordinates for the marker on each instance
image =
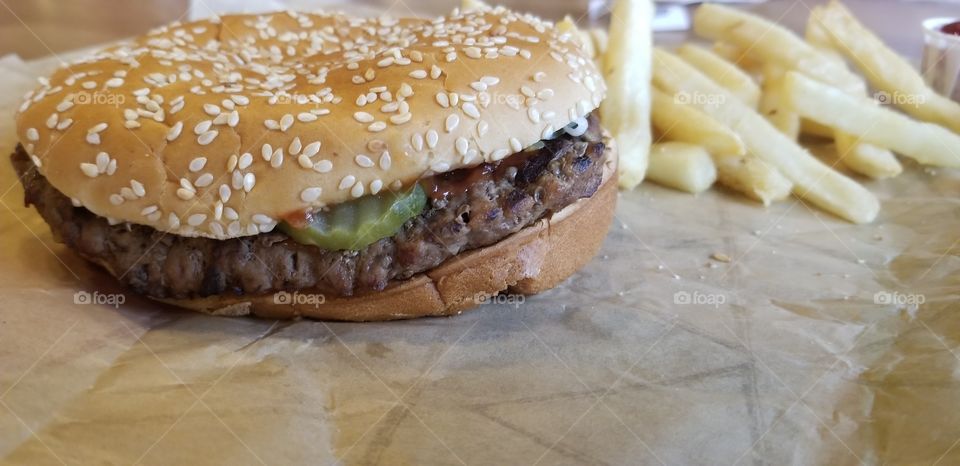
(800, 342)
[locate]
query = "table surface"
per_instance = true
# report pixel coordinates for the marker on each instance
(36, 28)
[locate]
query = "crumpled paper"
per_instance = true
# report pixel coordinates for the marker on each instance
(708, 330)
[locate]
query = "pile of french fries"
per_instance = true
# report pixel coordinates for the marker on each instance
(732, 113)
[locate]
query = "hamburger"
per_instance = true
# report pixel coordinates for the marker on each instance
(385, 168)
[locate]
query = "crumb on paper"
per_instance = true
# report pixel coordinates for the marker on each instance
(721, 257)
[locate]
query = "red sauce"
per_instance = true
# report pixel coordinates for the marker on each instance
(446, 185)
(298, 218)
(952, 28)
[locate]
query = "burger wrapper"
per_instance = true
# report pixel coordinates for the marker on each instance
(804, 340)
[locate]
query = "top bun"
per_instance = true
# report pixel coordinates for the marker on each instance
(219, 128)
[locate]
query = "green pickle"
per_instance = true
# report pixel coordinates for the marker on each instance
(357, 224)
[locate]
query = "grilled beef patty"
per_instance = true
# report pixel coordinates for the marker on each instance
(467, 209)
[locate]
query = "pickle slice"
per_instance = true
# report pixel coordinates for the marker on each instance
(357, 224)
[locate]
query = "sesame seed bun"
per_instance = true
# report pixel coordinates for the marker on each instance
(219, 128)
(531, 261)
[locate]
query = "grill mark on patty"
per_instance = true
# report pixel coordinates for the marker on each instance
(163, 265)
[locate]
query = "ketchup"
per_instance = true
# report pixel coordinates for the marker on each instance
(952, 29)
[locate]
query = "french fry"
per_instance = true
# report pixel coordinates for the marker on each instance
(925, 142)
(469, 5)
(812, 179)
(678, 122)
(600, 40)
(682, 166)
(773, 104)
(782, 47)
(768, 42)
(735, 55)
(865, 159)
(627, 68)
(886, 71)
(753, 177)
(722, 72)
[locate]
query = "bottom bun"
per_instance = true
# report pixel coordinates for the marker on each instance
(530, 261)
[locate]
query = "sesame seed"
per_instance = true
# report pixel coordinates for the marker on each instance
(418, 74)
(547, 132)
(204, 180)
(185, 194)
(312, 149)
(66, 105)
(224, 192)
(207, 138)
(533, 114)
(435, 72)
(295, 146)
(202, 127)
(89, 169)
(266, 152)
(306, 117)
(149, 210)
(245, 160)
(545, 94)
(490, 80)
(500, 154)
(196, 219)
(32, 134)
(323, 166)
(249, 181)
(211, 109)
(451, 57)
(116, 199)
(347, 182)
(363, 117)
(482, 128)
(234, 119)
(452, 122)
(375, 186)
(462, 146)
(277, 159)
(515, 145)
(138, 188)
(93, 138)
(473, 52)
(310, 194)
(443, 100)
(240, 100)
(174, 132)
(357, 190)
(478, 86)
(363, 161)
(305, 161)
(401, 118)
(376, 127)
(103, 159)
(417, 141)
(385, 161)
(471, 110)
(271, 124)
(52, 120)
(286, 122)
(232, 162)
(432, 138)
(64, 124)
